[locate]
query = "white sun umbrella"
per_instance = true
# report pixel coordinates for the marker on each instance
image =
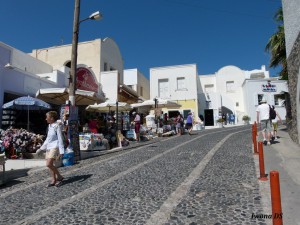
(61, 95)
(109, 106)
(161, 103)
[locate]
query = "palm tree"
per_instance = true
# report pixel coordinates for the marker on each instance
(276, 46)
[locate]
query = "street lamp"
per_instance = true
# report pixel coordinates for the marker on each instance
(73, 124)
(94, 16)
(155, 117)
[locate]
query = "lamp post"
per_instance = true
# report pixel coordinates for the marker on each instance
(117, 115)
(155, 106)
(73, 123)
(72, 83)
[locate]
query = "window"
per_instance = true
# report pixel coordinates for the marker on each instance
(259, 98)
(163, 88)
(186, 113)
(230, 86)
(180, 83)
(279, 100)
(141, 91)
(208, 88)
(237, 104)
(105, 66)
(173, 114)
(68, 64)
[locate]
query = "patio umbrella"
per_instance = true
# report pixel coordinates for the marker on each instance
(161, 103)
(61, 95)
(26, 103)
(108, 106)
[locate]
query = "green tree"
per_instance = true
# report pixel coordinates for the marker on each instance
(276, 47)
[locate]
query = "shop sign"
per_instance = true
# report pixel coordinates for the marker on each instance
(269, 87)
(85, 80)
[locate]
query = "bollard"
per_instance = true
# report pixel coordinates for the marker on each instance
(255, 128)
(263, 176)
(254, 142)
(275, 198)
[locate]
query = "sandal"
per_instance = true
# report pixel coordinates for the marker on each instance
(50, 185)
(59, 182)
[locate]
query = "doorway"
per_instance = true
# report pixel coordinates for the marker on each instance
(209, 117)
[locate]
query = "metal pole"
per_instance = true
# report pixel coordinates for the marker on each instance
(28, 118)
(72, 84)
(117, 115)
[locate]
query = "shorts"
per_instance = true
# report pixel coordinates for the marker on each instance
(266, 125)
(52, 153)
(275, 126)
(137, 127)
(188, 125)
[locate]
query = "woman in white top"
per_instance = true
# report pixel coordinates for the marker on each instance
(54, 147)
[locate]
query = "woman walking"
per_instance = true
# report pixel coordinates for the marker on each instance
(189, 123)
(54, 147)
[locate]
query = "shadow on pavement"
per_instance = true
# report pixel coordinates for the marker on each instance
(10, 183)
(11, 177)
(80, 178)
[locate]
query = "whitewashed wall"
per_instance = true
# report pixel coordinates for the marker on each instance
(110, 54)
(189, 72)
(109, 81)
(254, 87)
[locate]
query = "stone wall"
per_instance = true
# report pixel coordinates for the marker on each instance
(293, 72)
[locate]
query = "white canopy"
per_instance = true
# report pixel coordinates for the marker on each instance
(61, 95)
(161, 103)
(108, 106)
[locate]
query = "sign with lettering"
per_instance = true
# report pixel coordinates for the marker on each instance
(269, 87)
(85, 80)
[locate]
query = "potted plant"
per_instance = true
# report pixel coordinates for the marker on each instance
(246, 119)
(220, 122)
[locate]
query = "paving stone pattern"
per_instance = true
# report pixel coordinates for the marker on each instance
(227, 192)
(134, 197)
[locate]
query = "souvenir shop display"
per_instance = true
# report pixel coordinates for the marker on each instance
(17, 142)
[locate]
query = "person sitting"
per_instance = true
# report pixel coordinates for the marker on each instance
(93, 126)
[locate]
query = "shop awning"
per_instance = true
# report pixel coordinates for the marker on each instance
(161, 103)
(59, 96)
(109, 106)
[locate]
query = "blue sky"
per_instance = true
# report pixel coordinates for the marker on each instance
(210, 33)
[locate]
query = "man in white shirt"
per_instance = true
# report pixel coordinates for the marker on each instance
(263, 120)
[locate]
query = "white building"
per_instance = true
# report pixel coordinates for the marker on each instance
(178, 83)
(271, 89)
(228, 91)
(104, 60)
(138, 82)
(21, 75)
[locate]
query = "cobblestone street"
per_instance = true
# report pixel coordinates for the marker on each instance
(206, 178)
